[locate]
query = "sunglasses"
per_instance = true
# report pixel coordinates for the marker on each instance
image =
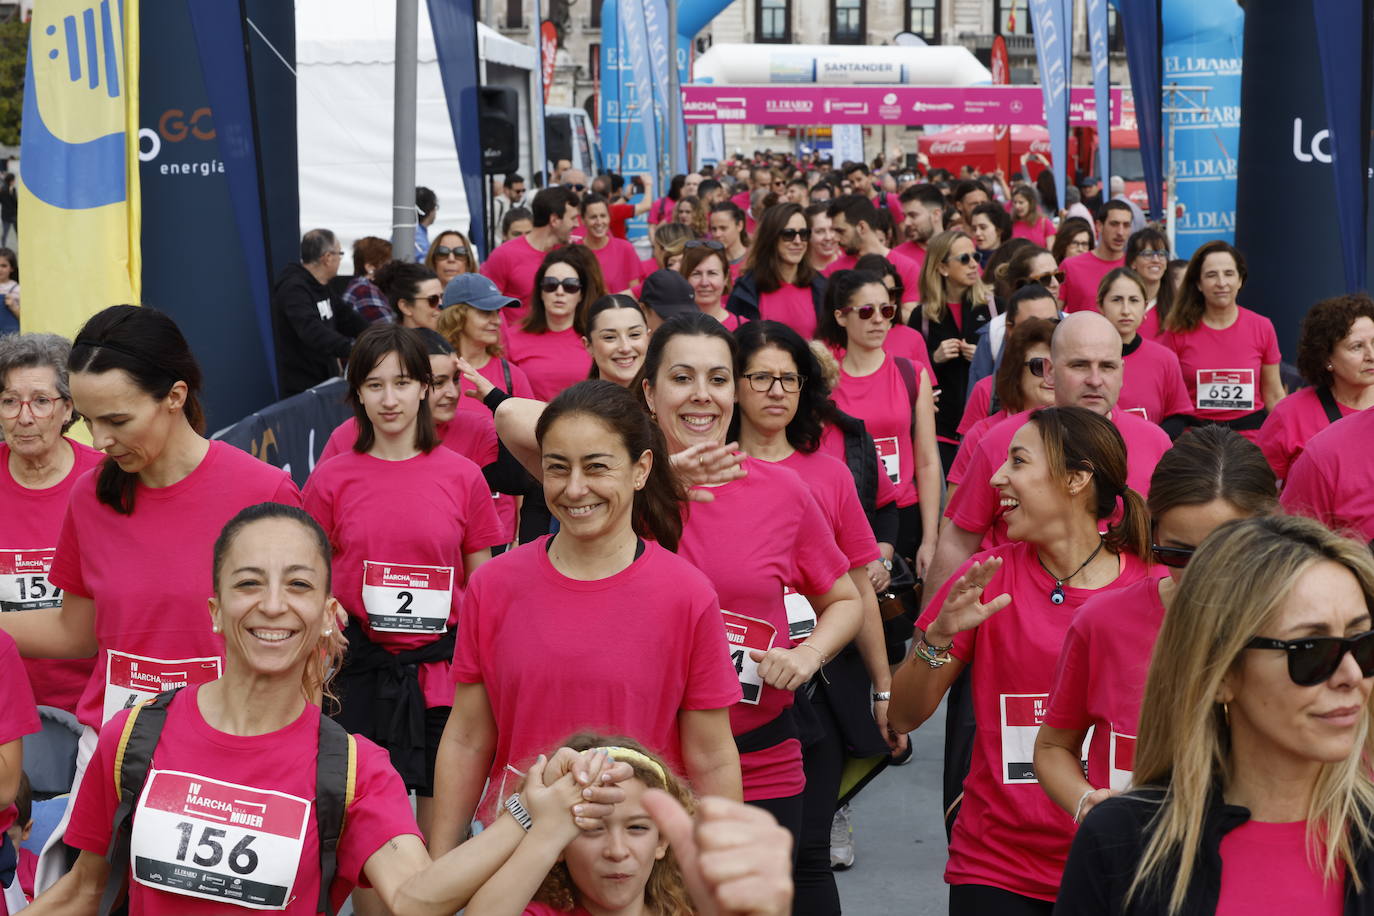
(965, 259)
(551, 284)
(704, 243)
(1036, 366)
(579, 188)
(444, 252)
(1313, 660)
(1173, 557)
(791, 235)
(1044, 279)
(865, 312)
(433, 299)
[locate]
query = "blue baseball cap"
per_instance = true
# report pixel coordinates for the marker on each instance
(477, 292)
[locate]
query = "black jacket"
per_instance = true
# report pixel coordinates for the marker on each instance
(314, 330)
(1112, 840)
(951, 376)
(744, 298)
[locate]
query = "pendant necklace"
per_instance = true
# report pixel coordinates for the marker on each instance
(1057, 595)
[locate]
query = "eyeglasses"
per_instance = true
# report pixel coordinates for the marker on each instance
(1153, 254)
(551, 284)
(966, 258)
(433, 299)
(865, 312)
(1044, 279)
(40, 407)
(791, 235)
(763, 381)
(1313, 660)
(443, 252)
(704, 243)
(1036, 365)
(1173, 557)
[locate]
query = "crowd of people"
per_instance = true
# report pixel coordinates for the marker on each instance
(618, 564)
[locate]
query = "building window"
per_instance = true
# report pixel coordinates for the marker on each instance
(773, 21)
(515, 14)
(923, 18)
(594, 17)
(847, 25)
(1012, 17)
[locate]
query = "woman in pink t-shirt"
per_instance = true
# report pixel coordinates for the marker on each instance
(547, 344)
(902, 340)
(1027, 220)
(825, 242)
(1005, 614)
(615, 333)
(778, 281)
(414, 292)
(1336, 357)
(1212, 475)
(1229, 355)
(618, 259)
(726, 222)
(1147, 253)
(707, 269)
(1152, 383)
(409, 522)
(1252, 770)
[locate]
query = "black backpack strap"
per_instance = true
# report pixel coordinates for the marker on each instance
(336, 771)
(505, 373)
(907, 370)
(1328, 401)
(133, 758)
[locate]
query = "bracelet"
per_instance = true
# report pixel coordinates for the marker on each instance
(1078, 811)
(935, 658)
(806, 645)
(882, 696)
(517, 811)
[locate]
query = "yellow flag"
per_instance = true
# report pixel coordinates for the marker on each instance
(79, 211)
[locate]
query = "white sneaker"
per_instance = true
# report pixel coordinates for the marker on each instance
(841, 841)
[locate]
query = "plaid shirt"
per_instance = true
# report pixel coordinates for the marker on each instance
(368, 300)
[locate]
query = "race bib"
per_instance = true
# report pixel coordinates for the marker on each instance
(1022, 715)
(744, 634)
(890, 457)
(1121, 759)
(1139, 411)
(131, 679)
(407, 599)
(24, 584)
(801, 616)
(1226, 389)
(218, 841)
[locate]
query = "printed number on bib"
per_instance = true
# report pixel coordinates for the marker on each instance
(890, 456)
(1121, 760)
(24, 584)
(801, 616)
(1226, 389)
(407, 599)
(218, 841)
(131, 679)
(1022, 715)
(745, 634)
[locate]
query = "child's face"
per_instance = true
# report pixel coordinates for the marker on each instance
(610, 866)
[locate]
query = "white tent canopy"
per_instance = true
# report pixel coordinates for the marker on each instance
(934, 65)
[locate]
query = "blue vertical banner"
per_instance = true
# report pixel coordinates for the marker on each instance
(656, 28)
(1140, 29)
(1203, 46)
(455, 39)
(1097, 45)
(627, 89)
(1052, 28)
(1342, 44)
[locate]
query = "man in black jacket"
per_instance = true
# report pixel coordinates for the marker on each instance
(314, 327)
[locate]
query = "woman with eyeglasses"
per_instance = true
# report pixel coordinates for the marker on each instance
(1147, 253)
(706, 265)
(1209, 477)
(778, 282)
(450, 255)
(825, 242)
(1004, 616)
(901, 340)
(1028, 221)
(546, 345)
(1336, 357)
(955, 304)
(1253, 791)
(414, 291)
(618, 259)
(1074, 236)
(894, 398)
(1152, 384)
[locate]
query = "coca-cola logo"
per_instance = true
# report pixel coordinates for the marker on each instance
(945, 147)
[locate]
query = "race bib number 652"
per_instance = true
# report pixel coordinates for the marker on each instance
(1226, 389)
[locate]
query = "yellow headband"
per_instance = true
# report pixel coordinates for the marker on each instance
(632, 756)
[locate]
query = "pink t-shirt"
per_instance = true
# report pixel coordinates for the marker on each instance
(30, 521)
(149, 572)
(1008, 833)
(472, 408)
(793, 306)
(1149, 328)
(1100, 678)
(907, 342)
(552, 361)
(464, 435)
(1254, 853)
(621, 655)
(619, 264)
(429, 511)
(910, 272)
(1037, 234)
(843, 261)
(1228, 363)
(1152, 383)
(882, 402)
(512, 266)
(1289, 426)
(543, 909)
(968, 446)
(19, 712)
(1333, 479)
(975, 506)
(1083, 273)
(979, 403)
(833, 487)
(762, 534)
(280, 765)
(914, 252)
(832, 444)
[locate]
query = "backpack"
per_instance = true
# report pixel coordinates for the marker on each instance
(336, 770)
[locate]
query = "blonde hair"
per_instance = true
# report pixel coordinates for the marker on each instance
(1231, 591)
(934, 293)
(470, 260)
(451, 322)
(665, 894)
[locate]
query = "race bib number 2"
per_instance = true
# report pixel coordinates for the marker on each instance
(745, 634)
(407, 599)
(218, 841)
(1226, 389)
(24, 584)
(131, 679)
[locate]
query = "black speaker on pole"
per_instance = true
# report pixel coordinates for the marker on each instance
(498, 114)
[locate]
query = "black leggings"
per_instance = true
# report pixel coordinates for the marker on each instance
(788, 811)
(823, 762)
(981, 900)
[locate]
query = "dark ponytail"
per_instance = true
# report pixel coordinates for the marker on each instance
(147, 346)
(657, 511)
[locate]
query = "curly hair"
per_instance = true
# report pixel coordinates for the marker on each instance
(1323, 327)
(451, 322)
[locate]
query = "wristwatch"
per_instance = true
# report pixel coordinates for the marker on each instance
(882, 696)
(887, 564)
(517, 811)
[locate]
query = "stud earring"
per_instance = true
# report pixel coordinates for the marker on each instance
(327, 632)
(215, 628)
(1329, 367)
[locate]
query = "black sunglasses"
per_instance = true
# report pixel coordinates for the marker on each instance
(1036, 365)
(570, 284)
(704, 243)
(433, 299)
(443, 251)
(1044, 279)
(1313, 660)
(791, 235)
(1175, 557)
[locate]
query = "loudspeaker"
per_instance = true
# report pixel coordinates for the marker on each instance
(498, 117)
